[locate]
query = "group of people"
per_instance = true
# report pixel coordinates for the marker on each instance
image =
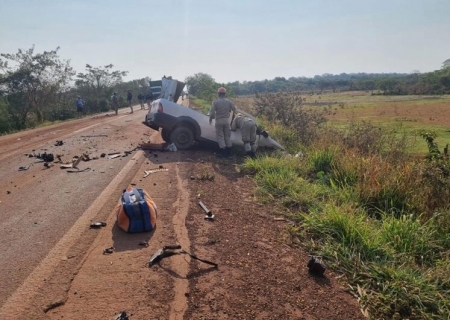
(142, 100)
(220, 111)
(147, 99)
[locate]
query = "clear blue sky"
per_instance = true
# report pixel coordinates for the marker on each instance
(234, 39)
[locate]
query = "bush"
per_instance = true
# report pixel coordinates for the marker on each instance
(286, 109)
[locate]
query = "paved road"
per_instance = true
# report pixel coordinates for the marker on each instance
(38, 206)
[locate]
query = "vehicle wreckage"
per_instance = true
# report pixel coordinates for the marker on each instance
(183, 126)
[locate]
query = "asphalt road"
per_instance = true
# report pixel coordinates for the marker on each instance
(39, 205)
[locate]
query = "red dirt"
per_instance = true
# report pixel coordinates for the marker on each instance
(261, 274)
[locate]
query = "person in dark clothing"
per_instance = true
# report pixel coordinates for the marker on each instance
(149, 98)
(115, 102)
(141, 100)
(130, 99)
(80, 106)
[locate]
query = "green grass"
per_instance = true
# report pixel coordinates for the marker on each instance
(201, 105)
(378, 216)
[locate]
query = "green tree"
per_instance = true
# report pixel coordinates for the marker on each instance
(96, 85)
(30, 82)
(202, 86)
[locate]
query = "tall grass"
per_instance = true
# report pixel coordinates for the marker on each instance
(375, 213)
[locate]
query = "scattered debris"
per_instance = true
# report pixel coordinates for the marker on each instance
(103, 155)
(74, 165)
(316, 266)
(8, 192)
(59, 143)
(114, 156)
(209, 214)
(54, 304)
(279, 219)
(86, 157)
(121, 316)
(143, 243)
(24, 168)
(58, 157)
(48, 165)
(108, 250)
(149, 172)
(153, 146)
(113, 153)
(95, 136)
(78, 170)
(168, 251)
(171, 147)
(47, 157)
(97, 225)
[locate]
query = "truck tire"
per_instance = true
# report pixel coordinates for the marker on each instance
(182, 137)
(165, 134)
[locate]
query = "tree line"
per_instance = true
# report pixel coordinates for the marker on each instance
(435, 82)
(39, 87)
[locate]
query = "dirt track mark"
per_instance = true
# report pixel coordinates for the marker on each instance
(180, 263)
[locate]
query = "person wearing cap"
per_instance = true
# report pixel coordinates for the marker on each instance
(130, 99)
(248, 130)
(80, 106)
(115, 102)
(220, 111)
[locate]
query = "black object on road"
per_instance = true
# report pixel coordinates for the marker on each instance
(168, 251)
(97, 225)
(316, 266)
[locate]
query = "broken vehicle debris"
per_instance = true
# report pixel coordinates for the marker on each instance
(183, 126)
(168, 251)
(149, 172)
(316, 266)
(97, 225)
(209, 215)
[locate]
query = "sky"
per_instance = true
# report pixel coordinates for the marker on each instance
(233, 40)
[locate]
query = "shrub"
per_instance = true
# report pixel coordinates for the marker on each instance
(286, 109)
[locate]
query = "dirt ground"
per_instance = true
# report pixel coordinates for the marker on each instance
(260, 274)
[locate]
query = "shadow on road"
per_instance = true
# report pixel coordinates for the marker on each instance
(123, 241)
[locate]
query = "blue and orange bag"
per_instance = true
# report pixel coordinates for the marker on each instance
(136, 211)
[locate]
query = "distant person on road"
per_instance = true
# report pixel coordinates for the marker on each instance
(141, 100)
(220, 110)
(248, 130)
(149, 98)
(130, 99)
(80, 106)
(115, 102)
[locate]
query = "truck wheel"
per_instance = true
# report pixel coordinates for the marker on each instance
(183, 138)
(165, 134)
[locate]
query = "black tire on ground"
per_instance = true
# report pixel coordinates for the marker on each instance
(182, 137)
(165, 134)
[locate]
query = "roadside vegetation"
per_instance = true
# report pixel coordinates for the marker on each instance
(358, 198)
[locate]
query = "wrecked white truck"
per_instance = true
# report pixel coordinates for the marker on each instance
(182, 125)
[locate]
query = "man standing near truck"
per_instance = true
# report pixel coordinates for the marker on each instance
(149, 98)
(220, 110)
(129, 99)
(141, 98)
